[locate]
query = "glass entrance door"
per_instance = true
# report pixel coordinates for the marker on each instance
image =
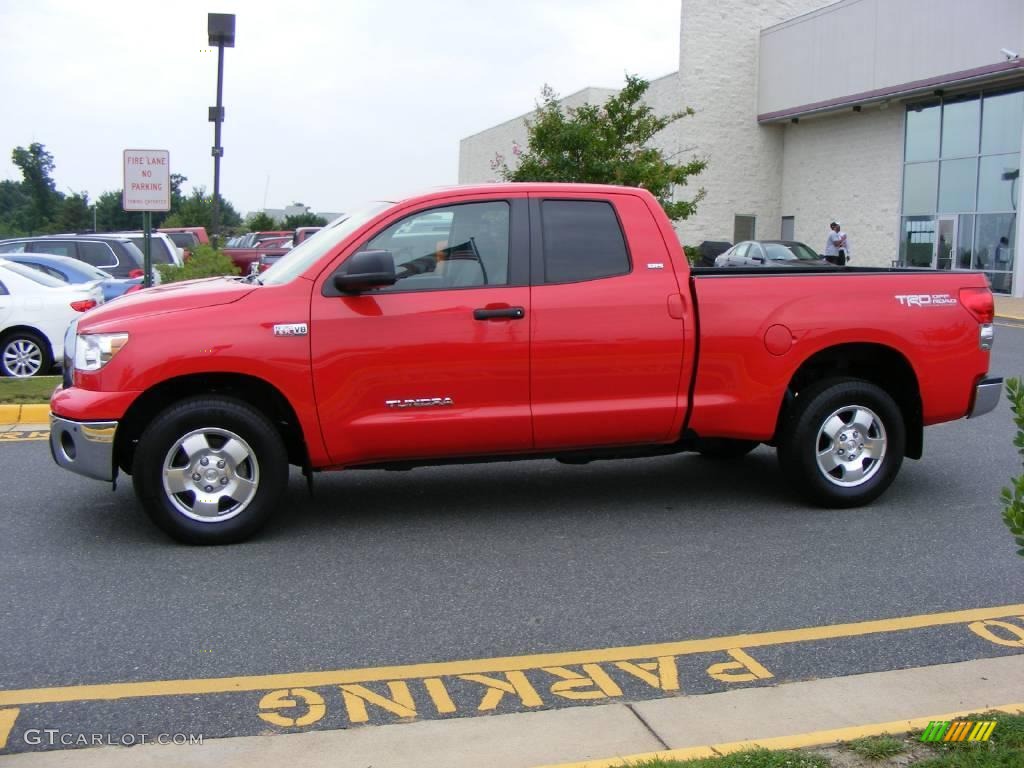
(945, 243)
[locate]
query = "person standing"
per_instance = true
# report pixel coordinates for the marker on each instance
(837, 247)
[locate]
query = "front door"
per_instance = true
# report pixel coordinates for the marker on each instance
(945, 243)
(437, 364)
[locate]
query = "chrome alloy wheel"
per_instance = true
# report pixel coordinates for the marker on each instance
(23, 358)
(851, 446)
(211, 475)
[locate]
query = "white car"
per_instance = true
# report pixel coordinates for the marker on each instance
(35, 311)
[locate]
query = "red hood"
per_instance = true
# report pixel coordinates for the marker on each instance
(175, 297)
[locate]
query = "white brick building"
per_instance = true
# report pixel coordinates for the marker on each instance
(903, 119)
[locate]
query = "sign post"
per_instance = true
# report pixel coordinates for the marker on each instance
(147, 188)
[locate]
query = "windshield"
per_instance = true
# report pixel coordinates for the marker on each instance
(308, 252)
(789, 252)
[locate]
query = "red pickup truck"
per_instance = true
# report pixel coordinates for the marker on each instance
(511, 321)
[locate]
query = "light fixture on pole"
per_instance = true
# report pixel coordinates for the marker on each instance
(221, 29)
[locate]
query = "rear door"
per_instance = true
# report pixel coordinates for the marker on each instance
(438, 364)
(607, 333)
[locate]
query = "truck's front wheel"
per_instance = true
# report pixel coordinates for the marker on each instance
(210, 470)
(843, 442)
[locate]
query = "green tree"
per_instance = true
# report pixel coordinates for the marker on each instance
(261, 222)
(112, 217)
(196, 210)
(14, 207)
(307, 219)
(74, 214)
(605, 144)
(36, 165)
(1013, 496)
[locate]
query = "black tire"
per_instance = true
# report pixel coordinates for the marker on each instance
(724, 449)
(22, 351)
(866, 447)
(234, 458)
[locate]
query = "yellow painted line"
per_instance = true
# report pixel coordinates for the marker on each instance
(191, 687)
(7, 719)
(796, 741)
(35, 413)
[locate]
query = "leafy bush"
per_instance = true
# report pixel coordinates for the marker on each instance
(205, 262)
(692, 254)
(1013, 497)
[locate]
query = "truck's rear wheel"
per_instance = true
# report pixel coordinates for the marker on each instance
(210, 470)
(843, 442)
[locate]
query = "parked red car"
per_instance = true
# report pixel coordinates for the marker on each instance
(512, 321)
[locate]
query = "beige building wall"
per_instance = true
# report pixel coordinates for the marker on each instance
(718, 63)
(847, 167)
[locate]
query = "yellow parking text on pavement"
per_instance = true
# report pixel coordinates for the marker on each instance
(24, 435)
(514, 682)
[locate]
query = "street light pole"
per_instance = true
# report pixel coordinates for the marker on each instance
(221, 28)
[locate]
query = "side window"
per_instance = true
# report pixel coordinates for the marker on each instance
(582, 241)
(458, 246)
(12, 248)
(97, 254)
(56, 247)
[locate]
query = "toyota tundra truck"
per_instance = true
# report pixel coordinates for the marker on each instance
(511, 321)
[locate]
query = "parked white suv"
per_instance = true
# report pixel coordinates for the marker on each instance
(35, 311)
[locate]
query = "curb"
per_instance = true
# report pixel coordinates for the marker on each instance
(795, 741)
(28, 413)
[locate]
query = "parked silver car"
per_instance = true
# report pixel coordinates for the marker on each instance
(771, 253)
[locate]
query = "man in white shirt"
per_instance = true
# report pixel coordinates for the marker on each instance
(837, 245)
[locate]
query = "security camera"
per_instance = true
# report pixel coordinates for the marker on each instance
(1010, 55)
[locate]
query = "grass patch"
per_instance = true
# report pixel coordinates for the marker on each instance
(755, 758)
(1005, 748)
(36, 389)
(877, 747)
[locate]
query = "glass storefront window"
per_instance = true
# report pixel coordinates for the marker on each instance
(999, 182)
(957, 179)
(960, 125)
(993, 246)
(1002, 122)
(965, 242)
(917, 245)
(920, 184)
(922, 133)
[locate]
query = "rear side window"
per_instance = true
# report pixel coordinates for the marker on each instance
(55, 247)
(12, 247)
(158, 249)
(183, 239)
(582, 241)
(34, 275)
(97, 254)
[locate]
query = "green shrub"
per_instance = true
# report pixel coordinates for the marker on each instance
(692, 253)
(1013, 496)
(205, 262)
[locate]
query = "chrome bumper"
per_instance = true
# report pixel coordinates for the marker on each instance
(85, 447)
(986, 396)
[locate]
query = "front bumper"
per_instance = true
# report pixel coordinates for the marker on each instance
(85, 447)
(986, 396)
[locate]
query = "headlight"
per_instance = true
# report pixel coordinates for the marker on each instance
(94, 350)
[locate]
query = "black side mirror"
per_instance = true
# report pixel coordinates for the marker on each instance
(366, 269)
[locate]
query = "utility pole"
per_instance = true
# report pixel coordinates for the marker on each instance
(221, 29)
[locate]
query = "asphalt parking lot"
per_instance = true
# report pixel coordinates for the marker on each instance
(462, 591)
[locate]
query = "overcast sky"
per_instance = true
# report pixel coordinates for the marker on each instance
(328, 104)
